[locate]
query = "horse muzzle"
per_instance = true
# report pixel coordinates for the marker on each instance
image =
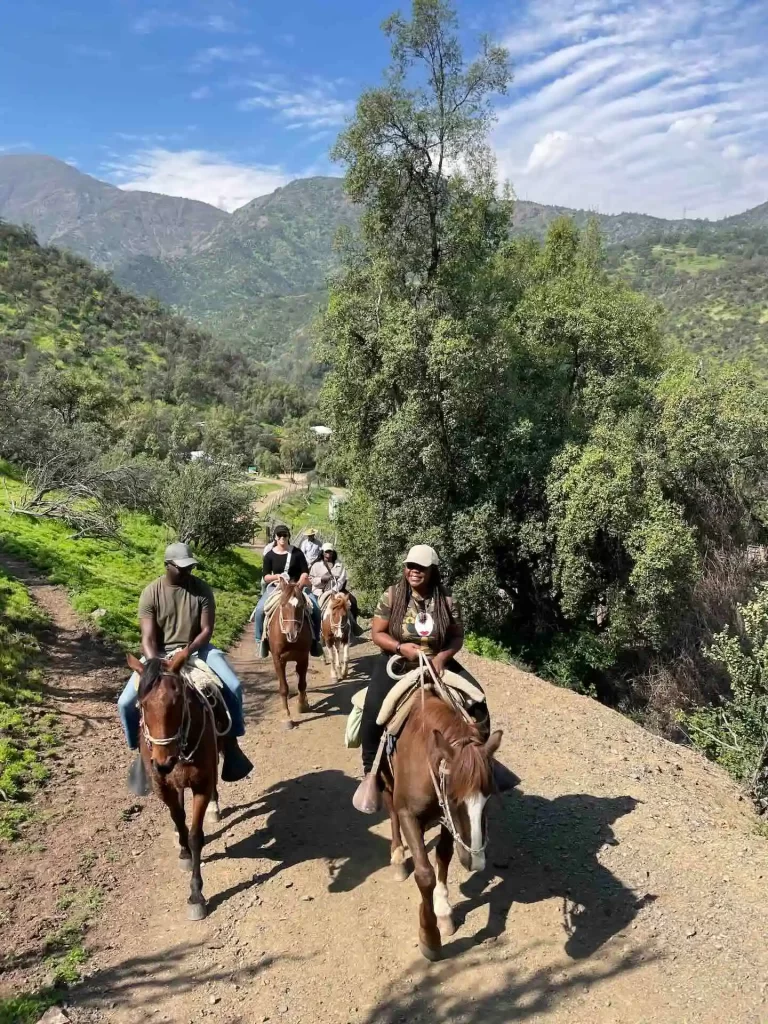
(165, 768)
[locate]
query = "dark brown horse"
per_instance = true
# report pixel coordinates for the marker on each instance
(441, 773)
(179, 745)
(290, 639)
(335, 630)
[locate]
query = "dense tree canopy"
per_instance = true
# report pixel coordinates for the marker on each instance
(511, 403)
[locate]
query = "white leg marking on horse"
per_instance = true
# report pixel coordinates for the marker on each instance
(345, 662)
(475, 805)
(440, 900)
(398, 855)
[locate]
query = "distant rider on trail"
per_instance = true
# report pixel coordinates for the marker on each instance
(309, 546)
(330, 574)
(178, 610)
(284, 561)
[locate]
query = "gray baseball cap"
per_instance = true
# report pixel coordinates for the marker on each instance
(180, 555)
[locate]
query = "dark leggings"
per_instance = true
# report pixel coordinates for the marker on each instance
(378, 688)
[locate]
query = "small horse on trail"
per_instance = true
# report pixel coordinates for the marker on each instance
(335, 635)
(179, 742)
(441, 773)
(290, 639)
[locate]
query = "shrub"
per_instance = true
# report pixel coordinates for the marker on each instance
(207, 505)
(734, 732)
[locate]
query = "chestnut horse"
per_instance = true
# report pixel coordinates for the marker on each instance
(290, 639)
(441, 772)
(335, 635)
(179, 744)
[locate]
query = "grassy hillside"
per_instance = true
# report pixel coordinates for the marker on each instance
(26, 732)
(712, 285)
(110, 574)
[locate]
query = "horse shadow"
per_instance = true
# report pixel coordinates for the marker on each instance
(336, 698)
(309, 817)
(540, 849)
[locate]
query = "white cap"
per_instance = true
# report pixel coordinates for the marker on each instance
(423, 555)
(328, 547)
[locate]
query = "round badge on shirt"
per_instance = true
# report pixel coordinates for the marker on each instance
(424, 624)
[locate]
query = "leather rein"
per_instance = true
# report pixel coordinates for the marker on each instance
(181, 736)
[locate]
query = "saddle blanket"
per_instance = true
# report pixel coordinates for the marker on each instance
(451, 688)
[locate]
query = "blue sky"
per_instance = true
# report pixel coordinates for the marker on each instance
(654, 105)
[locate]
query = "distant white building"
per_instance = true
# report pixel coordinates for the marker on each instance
(322, 433)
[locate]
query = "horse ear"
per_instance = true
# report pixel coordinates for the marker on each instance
(493, 742)
(178, 659)
(134, 663)
(444, 748)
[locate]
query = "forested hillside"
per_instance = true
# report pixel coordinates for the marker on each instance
(256, 278)
(144, 378)
(713, 285)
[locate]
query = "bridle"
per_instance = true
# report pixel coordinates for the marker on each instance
(440, 782)
(292, 627)
(181, 736)
(337, 625)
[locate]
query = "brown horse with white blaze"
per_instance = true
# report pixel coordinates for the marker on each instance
(179, 742)
(441, 772)
(290, 639)
(335, 630)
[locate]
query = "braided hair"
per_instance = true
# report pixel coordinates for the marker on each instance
(401, 596)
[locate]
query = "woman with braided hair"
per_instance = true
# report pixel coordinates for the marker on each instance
(417, 615)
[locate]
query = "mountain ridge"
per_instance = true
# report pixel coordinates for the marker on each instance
(256, 277)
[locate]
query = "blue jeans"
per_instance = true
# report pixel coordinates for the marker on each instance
(231, 691)
(258, 620)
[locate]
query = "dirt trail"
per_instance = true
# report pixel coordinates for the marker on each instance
(628, 884)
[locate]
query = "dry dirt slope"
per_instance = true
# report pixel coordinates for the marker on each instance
(628, 883)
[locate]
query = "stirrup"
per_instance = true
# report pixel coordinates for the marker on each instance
(367, 798)
(138, 782)
(236, 764)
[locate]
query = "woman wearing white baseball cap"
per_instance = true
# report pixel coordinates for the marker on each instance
(416, 615)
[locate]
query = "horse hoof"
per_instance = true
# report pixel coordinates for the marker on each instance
(196, 911)
(185, 863)
(446, 927)
(334, 679)
(433, 955)
(399, 872)
(213, 814)
(290, 724)
(303, 707)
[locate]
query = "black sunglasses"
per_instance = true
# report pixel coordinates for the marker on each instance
(413, 567)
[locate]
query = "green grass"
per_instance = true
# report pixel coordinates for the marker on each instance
(27, 733)
(487, 648)
(684, 257)
(302, 509)
(65, 953)
(110, 574)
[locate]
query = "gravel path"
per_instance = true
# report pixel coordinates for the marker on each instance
(626, 880)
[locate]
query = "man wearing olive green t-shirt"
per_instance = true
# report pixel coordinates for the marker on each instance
(178, 610)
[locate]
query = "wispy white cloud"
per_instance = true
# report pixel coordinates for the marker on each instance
(314, 105)
(157, 18)
(196, 174)
(200, 94)
(655, 105)
(224, 55)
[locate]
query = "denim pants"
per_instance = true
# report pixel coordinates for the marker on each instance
(258, 619)
(231, 691)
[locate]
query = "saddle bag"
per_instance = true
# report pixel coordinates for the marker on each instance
(352, 737)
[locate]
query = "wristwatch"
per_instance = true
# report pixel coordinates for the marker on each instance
(397, 649)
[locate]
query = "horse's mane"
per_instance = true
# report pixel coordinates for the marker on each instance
(153, 672)
(470, 768)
